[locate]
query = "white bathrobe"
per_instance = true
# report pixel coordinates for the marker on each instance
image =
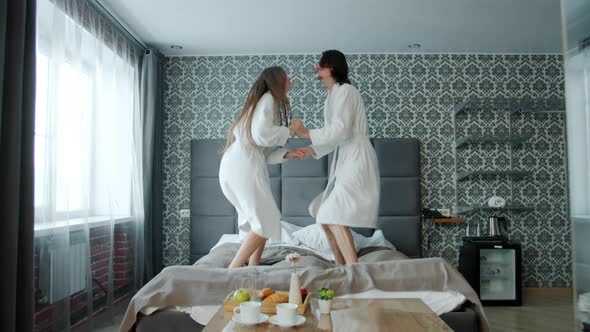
(243, 174)
(351, 197)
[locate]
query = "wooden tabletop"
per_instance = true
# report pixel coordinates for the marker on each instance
(351, 315)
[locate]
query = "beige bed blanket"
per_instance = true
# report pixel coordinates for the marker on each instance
(208, 281)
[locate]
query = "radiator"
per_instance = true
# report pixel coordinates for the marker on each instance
(62, 271)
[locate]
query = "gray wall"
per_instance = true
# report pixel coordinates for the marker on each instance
(405, 96)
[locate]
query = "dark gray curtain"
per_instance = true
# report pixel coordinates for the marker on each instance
(151, 110)
(17, 122)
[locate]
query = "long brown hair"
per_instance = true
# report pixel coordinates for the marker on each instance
(337, 61)
(273, 79)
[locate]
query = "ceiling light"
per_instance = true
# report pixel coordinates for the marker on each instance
(176, 47)
(414, 46)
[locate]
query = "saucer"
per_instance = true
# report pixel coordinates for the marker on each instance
(298, 321)
(261, 319)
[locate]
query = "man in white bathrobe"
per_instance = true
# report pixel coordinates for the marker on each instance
(351, 198)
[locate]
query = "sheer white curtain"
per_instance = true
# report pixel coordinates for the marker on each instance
(578, 127)
(88, 196)
(578, 130)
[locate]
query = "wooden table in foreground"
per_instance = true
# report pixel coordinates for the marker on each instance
(354, 314)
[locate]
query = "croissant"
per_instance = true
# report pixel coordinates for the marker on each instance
(276, 298)
(262, 294)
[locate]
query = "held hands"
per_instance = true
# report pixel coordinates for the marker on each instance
(306, 151)
(300, 153)
(298, 128)
(295, 154)
(296, 125)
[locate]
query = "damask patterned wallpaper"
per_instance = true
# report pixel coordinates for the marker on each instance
(405, 96)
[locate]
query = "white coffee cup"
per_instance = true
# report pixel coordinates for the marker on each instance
(249, 312)
(287, 313)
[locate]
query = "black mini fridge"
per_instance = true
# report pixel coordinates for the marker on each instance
(492, 266)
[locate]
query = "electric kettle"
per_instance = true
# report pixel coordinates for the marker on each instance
(494, 225)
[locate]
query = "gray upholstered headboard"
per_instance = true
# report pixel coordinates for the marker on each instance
(295, 183)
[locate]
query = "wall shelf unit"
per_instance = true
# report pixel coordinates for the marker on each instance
(469, 209)
(512, 105)
(515, 140)
(510, 140)
(516, 175)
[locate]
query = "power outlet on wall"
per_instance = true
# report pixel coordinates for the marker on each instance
(185, 213)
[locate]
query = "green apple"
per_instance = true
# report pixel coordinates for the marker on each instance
(242, 295)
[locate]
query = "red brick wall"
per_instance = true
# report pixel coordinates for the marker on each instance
(50, 317)
(124, 256)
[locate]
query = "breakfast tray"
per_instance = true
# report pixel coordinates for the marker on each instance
(229, 304)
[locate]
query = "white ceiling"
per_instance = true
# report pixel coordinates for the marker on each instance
(228, 27)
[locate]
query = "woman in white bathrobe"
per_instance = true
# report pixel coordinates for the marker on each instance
(254, 139)
(351, 197)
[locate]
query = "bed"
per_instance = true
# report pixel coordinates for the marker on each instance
(294, 184)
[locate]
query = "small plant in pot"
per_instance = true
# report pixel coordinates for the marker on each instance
(325, 298)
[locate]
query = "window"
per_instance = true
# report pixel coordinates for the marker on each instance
(68, 144)
(83, 127)
(41, 127)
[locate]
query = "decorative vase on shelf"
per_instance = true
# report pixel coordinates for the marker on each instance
(325, 306)
(294, 290)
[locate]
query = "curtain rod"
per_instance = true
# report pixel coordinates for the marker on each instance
(105, 11)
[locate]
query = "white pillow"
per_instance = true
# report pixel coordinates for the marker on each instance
(377, 240)
(287, 230)
(314, 237)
